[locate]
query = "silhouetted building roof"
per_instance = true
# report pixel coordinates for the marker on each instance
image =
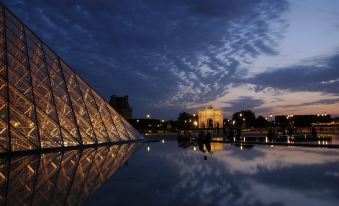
(121, 105)
(301, 120)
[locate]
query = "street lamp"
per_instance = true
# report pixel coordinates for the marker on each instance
(148, 116)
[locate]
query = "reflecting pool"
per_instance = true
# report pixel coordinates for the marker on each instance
(164, 174)
(173, 173)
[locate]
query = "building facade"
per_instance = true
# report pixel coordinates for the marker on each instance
(211, 118)
(121, 105)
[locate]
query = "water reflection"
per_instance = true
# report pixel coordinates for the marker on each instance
(209, 146)
(262, 175)
(63, 178)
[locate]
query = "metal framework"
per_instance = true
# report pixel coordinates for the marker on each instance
(43, 102)
(67, 178)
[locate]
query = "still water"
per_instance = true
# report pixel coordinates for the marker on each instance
(164, 174)
(61, 178)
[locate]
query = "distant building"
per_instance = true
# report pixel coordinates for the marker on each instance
(301, 120)
(211, 118)
(332, 127)
(121, 105)
(147, 125)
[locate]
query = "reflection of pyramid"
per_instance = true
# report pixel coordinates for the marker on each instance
(61, 178)
(43, 103)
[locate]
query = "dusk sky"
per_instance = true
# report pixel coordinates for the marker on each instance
(270, 56)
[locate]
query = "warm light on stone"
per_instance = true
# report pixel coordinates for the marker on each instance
(211, 118)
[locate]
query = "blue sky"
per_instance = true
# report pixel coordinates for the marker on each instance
(269, 56)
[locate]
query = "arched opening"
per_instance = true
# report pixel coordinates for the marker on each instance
(210, 123)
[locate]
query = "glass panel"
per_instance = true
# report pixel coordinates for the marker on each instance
(41, 84)
(64, 110)
(85, 127)
(19, 76)
(118, 123)
(107, 119)
(24, 135)
(49, 131)
(98, 125)
(130, 130)
(3, 116)
(2, 46)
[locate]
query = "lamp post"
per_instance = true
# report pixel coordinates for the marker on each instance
(271, 119)
(241, 120)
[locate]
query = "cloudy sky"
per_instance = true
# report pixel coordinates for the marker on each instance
(181, 55)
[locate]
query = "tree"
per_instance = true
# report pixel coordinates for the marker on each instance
(186, 120)
(244, 119)
(260, 122)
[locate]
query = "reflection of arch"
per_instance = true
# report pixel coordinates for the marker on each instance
(217, 124)
(210, 123)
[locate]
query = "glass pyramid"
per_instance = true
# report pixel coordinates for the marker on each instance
(43, 102)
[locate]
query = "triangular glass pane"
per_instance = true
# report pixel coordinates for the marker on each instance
(3, 116)
(19, 76)
(118, 123)
(2, 45)
(22, 120)
(79, 108)
(107, 119)
(68, 139)
(94, 114)
(64, 109)
(130, 130)
(49, 131)
(41, 83)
